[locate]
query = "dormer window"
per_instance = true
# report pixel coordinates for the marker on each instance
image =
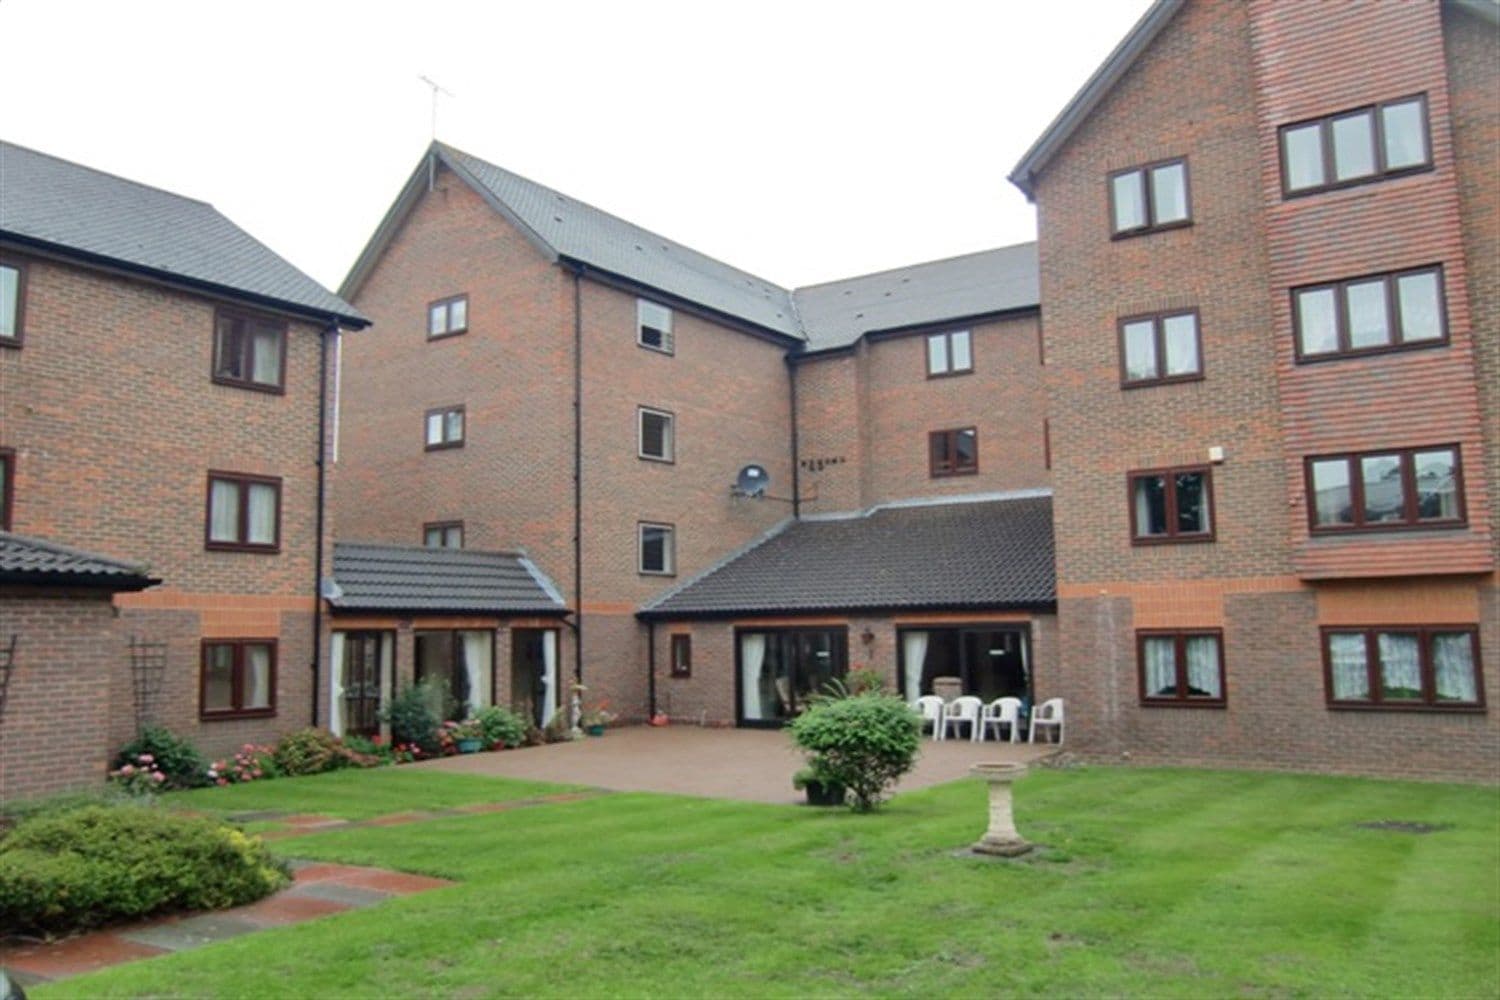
(653, 326)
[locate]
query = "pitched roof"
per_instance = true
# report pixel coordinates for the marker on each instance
(979, 554)
(838, 313)
(408, 578)
(25, 560)
(66, 207)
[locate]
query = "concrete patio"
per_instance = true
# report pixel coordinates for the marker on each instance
(754, 765)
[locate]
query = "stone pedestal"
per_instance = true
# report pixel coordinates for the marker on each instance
(1001, 838)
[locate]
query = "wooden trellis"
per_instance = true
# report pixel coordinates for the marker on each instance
(7, 666)
(148, 663)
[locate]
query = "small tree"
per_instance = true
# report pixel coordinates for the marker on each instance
(863, 742)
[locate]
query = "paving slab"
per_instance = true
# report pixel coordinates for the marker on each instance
(338, 892)
(190, 932)
(42, 962)
(287, 908)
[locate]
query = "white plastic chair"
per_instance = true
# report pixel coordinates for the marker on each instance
(963, 709)
(998, 714)
(1048, 714)
(930, 707)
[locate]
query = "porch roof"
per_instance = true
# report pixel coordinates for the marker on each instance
(37, 562)
(372, 577)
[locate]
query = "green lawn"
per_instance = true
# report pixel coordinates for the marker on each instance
(1154, 882)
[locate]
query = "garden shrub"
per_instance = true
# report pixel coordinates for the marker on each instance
(413, 719)
(64, 872)
(501, 726)
(375, 749)
(313, 751)
(174, 756)
(249, 763)
(863, 742)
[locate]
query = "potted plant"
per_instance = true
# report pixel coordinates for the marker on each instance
(467, 735)
(821, 789)
(595, 719)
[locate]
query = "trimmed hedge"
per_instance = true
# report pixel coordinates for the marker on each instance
(863, 742)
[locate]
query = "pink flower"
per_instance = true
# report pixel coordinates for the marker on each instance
(158, 777)
(145, 758)
(127, 770)
(223, 781)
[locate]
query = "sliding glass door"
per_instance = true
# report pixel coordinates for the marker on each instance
(779, 669)
(989, 661)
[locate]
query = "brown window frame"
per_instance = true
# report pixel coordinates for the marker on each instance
(1376, 702)
(947, 338)
(1325, 138)
(446, 443)
(19, 338)
(1179, 658)
(447, 304)
(1151, 225)
(247, 361)
(1158, 321)
(682, 654)
(1173, 536)
(242, 480)
(949, 466)
(444, 527)
(669, 550)
(237, 680)
(670, 458)
(1392, 311)
(668, 343)
(1408, 488)
(7, 488)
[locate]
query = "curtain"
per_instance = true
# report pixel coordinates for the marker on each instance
(266, 357)
(1203, 666)
(1400, 665)
(549, 676)
(262, 514)
(1351, 674)
(387, 674)
(1453, 667)
(1161, 666)
(224, 511)
(752, 657)
(478, 650)
(914, 652)
(257, 679)
(336, 684)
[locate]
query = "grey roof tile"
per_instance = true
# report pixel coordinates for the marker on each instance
(55, 203)
(981, 554)
(408, 578)
(37, 561)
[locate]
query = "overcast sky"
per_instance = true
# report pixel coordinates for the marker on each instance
(801, 141)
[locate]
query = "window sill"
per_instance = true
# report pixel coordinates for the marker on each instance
(444, 446)
(268, 388)
(242, 547)
(656, 572)
(254, 713)
(960, 472)
(1219, 703)
(1151, 383)
(656, 459)
(654, 350)
(1149, 230)
(14, 343)
(1372, 352)
(1465, 709)
(448, 334)
(952, 374)
(1174, 540)
(1316, 533)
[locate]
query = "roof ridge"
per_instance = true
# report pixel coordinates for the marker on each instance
(920, 263)
(114, 176)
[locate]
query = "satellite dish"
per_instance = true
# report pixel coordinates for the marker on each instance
(752, 481)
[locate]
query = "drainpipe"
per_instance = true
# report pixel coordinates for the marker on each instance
(578, 469)
(332, 330)
(651, 667)
(791, 376)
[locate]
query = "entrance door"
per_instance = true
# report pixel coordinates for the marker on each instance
(533, 674)
(780, 669)
(362, 683)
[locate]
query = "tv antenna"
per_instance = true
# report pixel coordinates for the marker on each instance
(437, 89)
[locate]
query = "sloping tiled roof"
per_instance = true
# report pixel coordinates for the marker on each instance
(63, 206)
(408, 578)
(981, 554)
(838, 313)
(36, 561)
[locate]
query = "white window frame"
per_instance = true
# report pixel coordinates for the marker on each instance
(652, 314)
(669, 549)
(669, 438)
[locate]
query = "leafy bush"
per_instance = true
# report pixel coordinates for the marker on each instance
(376, 749)
(413, 718)
(140, 776)
(174, 756)
(249, 763)
(63, 872)
(501, 726)
(863, 742)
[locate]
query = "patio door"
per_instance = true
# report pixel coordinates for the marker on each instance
(362, 670)
(533, 674)
(990, 661)
(780, 669)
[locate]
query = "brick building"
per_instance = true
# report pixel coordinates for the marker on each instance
(162, 376)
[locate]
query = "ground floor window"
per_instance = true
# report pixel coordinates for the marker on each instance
(780, 669)
(1181, 667)
(459, 663)
(533, 674)
(1403, 667)
(986, 661)
(238, 678)
(361, 680)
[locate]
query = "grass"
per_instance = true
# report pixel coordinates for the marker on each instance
(1152, 882)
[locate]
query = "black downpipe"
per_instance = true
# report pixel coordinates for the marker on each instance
(578, 470)
(651, 666)
(317, 628)
(791, 374)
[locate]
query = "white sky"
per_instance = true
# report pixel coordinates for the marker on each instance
(800, 141)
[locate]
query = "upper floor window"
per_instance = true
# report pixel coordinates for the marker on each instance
(1352, 147)
(653, 326)
(1144, 199)
(1403, 667)
(1184, 667)
(7, 486)
(443, 534)
(657, 549)
(1171, 505)
(949, 353)
(1377, 491)
(954, 452)
(655, 434)
(12, 302)
(238, 678)
(1165, 347)
(1380, 312)
(244, 512)
(447, 317)
(682, 655)
(249, 351)
(445, 428)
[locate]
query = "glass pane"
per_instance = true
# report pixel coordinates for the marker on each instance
(1420, 305)
(937, 446)
(654, 323)
(1369, 326)
(223, 511)
(257, 680)
(458, 314)
(432, 538)
(1302, 152)
(1385, 499)
(1347, 660)
(434, 428)
(262, 514)
(453, 537)
(266, 356)
(1333, 504)
(1150, 506)
(1169, 196)
(1400, 666)
(1437, 484)
(1129, 200)
(1181, 333)
(10, 300)
(937, 354)
(437, 320)
(963, 359)
(656, 550)
(229, 349)
(966, 449)
(1405, 135)
(453, 422)
(1140, 351)
(1160, 654)
(1203, 667)
(655, 439)
(1192, 503)
(1354, 146)
(819, 660)
(218, 678)
(1453, 667)
(1317, 321)
(765, 681)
